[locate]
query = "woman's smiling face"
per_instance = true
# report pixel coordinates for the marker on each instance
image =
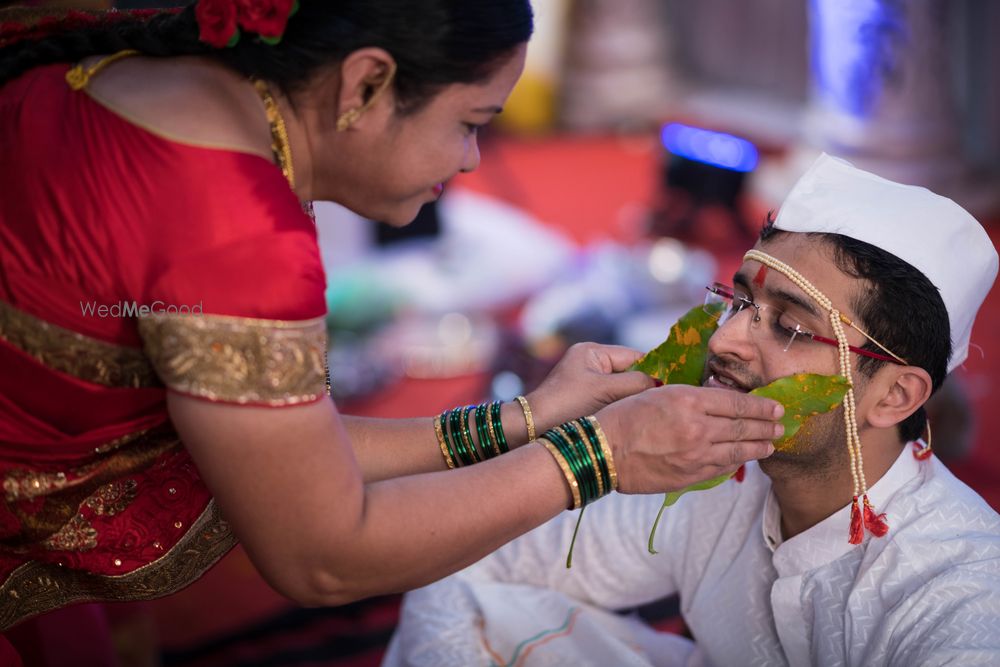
(399, 162)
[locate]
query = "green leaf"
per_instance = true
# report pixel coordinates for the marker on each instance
(671, 498)
(680, 359)
(803, 395)
(572, 542)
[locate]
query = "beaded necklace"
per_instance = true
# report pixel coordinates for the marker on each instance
(282, 151)
(862, 515)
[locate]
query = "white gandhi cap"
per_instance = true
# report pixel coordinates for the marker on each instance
(930, 232)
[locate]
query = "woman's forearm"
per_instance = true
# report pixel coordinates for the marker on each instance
(428, 526)
(387, 448)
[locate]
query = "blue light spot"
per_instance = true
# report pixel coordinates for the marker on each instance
(715, 148)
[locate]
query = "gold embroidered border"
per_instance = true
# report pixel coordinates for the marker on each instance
(73, 353)
(27, 484)
(36, 587)
(238, 359)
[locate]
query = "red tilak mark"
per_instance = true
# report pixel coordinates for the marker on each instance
(758, 280)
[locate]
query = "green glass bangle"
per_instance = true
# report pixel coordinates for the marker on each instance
(498, 427)
(579, 441)
(595, 444)
(586, 462)
(454, 419)
(485, 444)
(562, 447)
(561, 440)
(467, 433)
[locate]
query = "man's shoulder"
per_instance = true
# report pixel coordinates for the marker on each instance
(943, 511)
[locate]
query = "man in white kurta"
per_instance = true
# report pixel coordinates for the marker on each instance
(926, 594)
(763, 568)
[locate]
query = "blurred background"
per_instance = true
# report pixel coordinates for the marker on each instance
(633, 165)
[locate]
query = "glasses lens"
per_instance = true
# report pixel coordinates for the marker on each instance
(787, 330)
(718, 302)
(770, 323)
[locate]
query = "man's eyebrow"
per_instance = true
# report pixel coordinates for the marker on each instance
(793, 299)
(777, 294)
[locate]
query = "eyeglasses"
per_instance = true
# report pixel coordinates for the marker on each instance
(722, 302)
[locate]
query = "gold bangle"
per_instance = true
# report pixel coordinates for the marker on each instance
(606, 449)
(528, 419)
(465, 433)
(441, 443)
(574, 487)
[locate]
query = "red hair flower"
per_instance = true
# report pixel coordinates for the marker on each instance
(217, 22)
(267, 18)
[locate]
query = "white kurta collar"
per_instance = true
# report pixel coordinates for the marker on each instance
(827, 540)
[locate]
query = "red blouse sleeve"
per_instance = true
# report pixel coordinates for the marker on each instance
(235, 305)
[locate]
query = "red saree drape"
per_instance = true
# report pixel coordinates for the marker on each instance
(130, 263)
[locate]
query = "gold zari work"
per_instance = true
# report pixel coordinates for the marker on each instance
(27, 484)
(101, 485)
(79, 534)
(238, 359)
(37, 587)
(112, 498)
(72, 353)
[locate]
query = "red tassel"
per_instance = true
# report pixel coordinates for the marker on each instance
(921, 453)
(875, 523)
(857, 529)
(740, 474)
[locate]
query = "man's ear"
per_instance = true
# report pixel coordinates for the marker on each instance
(362, 73)
(906, 389)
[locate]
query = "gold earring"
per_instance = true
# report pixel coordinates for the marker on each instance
(351, 116)
(347, 119)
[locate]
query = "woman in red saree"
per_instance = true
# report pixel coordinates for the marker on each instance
(162, 336)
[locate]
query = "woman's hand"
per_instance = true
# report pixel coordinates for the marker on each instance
(668, 438)
(587, 378)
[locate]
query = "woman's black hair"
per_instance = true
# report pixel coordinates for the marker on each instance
(434, 42)
(899, 307)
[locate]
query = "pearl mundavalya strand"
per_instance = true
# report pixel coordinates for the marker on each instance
(862, 513)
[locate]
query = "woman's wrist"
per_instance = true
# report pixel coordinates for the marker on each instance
(542, 412)
(584, 457)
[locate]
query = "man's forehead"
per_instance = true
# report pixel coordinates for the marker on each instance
(813, 259)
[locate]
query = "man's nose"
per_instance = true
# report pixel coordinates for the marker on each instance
(733, 337)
